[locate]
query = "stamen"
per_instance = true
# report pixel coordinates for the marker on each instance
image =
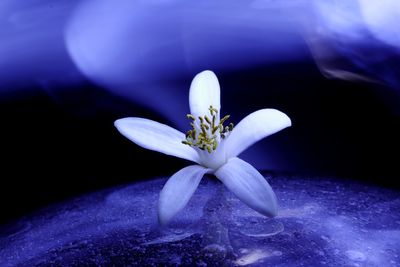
(213, 122)
(207, 119)
(203, 129)
(187, 143)
(224, 119)
(214, 129)
(207, 138)
(213, 110)
(190, 116)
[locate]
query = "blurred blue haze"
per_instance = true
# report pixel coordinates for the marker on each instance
(69, 68)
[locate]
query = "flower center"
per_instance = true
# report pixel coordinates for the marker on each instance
(206, 133)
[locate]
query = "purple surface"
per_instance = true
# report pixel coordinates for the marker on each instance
(322, 222)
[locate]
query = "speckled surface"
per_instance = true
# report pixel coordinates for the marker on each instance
(322, 222)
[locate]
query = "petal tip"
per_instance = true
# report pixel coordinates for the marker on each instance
(162, 221)
(204, 91)
(163, 216)
(119, 124)
(285, 120)
(206, 73)
(270, 210)
(273, 207)
(122, 124)
(288, 120)
(274, 211)
(205, 77)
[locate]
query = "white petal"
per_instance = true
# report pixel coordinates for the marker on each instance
(178, 190)
(249, 186)
(204, 91)
(253, 128)
(156, 136)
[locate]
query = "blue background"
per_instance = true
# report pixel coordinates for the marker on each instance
(68, 70)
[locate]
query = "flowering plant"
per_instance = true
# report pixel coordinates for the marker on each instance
(210, 144)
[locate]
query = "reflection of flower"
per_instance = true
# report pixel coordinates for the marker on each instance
(211, 145)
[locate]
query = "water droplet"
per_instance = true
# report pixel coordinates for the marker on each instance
(178, 231)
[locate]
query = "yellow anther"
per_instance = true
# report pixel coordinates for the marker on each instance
(213, 122)
(214, 129)
(212, 110)
(207, 139)
(207, 119)
(224, 119)
(190, 116)
(187, 143)
(203, 129)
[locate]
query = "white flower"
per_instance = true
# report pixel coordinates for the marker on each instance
(212, 146)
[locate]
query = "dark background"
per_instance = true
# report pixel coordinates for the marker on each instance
(69, 69)
(59, 141)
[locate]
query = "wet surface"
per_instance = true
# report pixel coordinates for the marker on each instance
(322, 222)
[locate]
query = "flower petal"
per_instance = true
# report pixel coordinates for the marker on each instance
(253, 128)
(249, 186)
(178, 190)
(156, 136)
(204, 91)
